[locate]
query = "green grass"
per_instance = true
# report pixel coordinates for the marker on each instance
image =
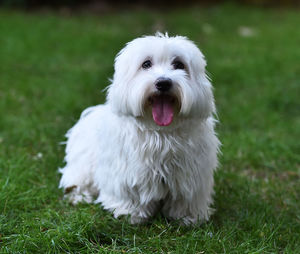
(53, 66)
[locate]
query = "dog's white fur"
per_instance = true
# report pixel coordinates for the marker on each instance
(118, 155)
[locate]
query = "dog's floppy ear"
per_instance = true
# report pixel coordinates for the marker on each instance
(205, 100)
(118, 89)
(197, 62)
(122, 66)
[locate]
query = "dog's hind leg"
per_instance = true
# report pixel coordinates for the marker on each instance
(77, 187)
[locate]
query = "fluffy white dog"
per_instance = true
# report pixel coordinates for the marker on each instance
(152, 144)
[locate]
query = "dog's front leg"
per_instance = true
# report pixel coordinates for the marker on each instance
(142, 213)
(127, 206)
(188, 211)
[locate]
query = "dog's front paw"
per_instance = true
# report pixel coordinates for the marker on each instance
(135, 219)
(191, 221)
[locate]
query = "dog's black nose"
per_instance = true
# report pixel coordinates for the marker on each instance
(163, 84)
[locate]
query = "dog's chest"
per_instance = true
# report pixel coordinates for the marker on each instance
(164, 158)
(155, 164)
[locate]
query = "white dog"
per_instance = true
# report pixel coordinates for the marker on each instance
(152, 144)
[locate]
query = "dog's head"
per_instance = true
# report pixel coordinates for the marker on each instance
(162, 78)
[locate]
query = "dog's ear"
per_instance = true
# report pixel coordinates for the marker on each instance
(205, 101)
(117, 90)
(122, 65)
(197, 62)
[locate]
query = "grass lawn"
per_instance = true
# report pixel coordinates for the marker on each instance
(53, 66)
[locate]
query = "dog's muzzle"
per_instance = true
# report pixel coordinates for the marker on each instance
(163, 101)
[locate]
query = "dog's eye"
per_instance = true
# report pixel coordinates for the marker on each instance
(147, 64)
(178, 65)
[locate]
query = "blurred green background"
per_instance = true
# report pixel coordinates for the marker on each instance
(73, 3)
(55, 59)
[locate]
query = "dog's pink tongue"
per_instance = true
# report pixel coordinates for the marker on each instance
(162, 110)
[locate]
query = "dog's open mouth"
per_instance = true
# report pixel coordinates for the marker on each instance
(162, 108)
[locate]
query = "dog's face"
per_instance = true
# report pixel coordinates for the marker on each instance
(161, 78)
